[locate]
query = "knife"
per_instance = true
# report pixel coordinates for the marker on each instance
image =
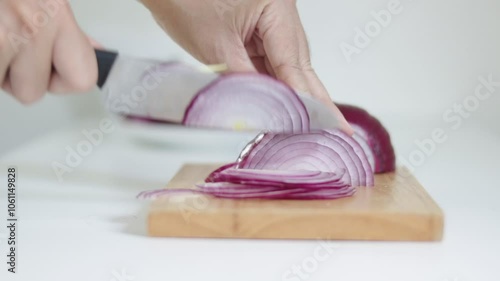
(150, 89)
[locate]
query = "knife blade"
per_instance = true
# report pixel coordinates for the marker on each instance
(161, 91)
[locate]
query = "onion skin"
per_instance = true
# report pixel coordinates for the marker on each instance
(374, 133)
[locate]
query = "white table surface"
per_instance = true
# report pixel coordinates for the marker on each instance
(91, 227)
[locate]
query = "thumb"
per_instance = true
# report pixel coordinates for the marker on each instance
(94, 43)
(237, 59)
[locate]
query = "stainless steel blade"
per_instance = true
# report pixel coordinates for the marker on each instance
(152, 89)
(320, 116)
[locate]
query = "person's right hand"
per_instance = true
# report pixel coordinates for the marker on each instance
(263, 36)
(43, 49)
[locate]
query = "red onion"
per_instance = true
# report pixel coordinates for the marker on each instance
(213, 176)
(266, 184)
(327, 151)
(372, 137)
(281, 179)
(245, 191)
(159, 193)
(247, 101)
(316, 165)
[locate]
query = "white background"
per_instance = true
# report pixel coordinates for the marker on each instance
(427, 59)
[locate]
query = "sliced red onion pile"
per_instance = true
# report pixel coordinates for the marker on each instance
(267, 184)
(315, 165)
(247, 101)
(327, 151)
(372, 137)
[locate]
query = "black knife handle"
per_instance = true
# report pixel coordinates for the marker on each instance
(105, 61)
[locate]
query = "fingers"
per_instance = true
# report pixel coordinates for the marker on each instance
(280, 39)
(5, 59)
(25, 68)
(74, 61)
(317, 86)
(287, 50)
(9, 40)
(94, 43)
(30, 71)
(42, 48)
(237, 59)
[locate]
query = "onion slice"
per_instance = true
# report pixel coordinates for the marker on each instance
(327, 151)
(265, 184)
(247, 101)
(282, 179)
(372, 137)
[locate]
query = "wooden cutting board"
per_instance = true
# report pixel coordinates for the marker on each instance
(397, 208)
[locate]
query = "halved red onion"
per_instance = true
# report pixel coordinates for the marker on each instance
(372, 137)
(248, 101)
(327, 151)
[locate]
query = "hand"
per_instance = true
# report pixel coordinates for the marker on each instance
(246, 35)
(43, 49)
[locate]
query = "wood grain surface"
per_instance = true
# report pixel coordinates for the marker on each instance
(397, 208)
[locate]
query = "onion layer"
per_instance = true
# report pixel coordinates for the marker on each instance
(327, 151)
(372, 137)
(247, 101)
(315, 165)
(266, 184)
